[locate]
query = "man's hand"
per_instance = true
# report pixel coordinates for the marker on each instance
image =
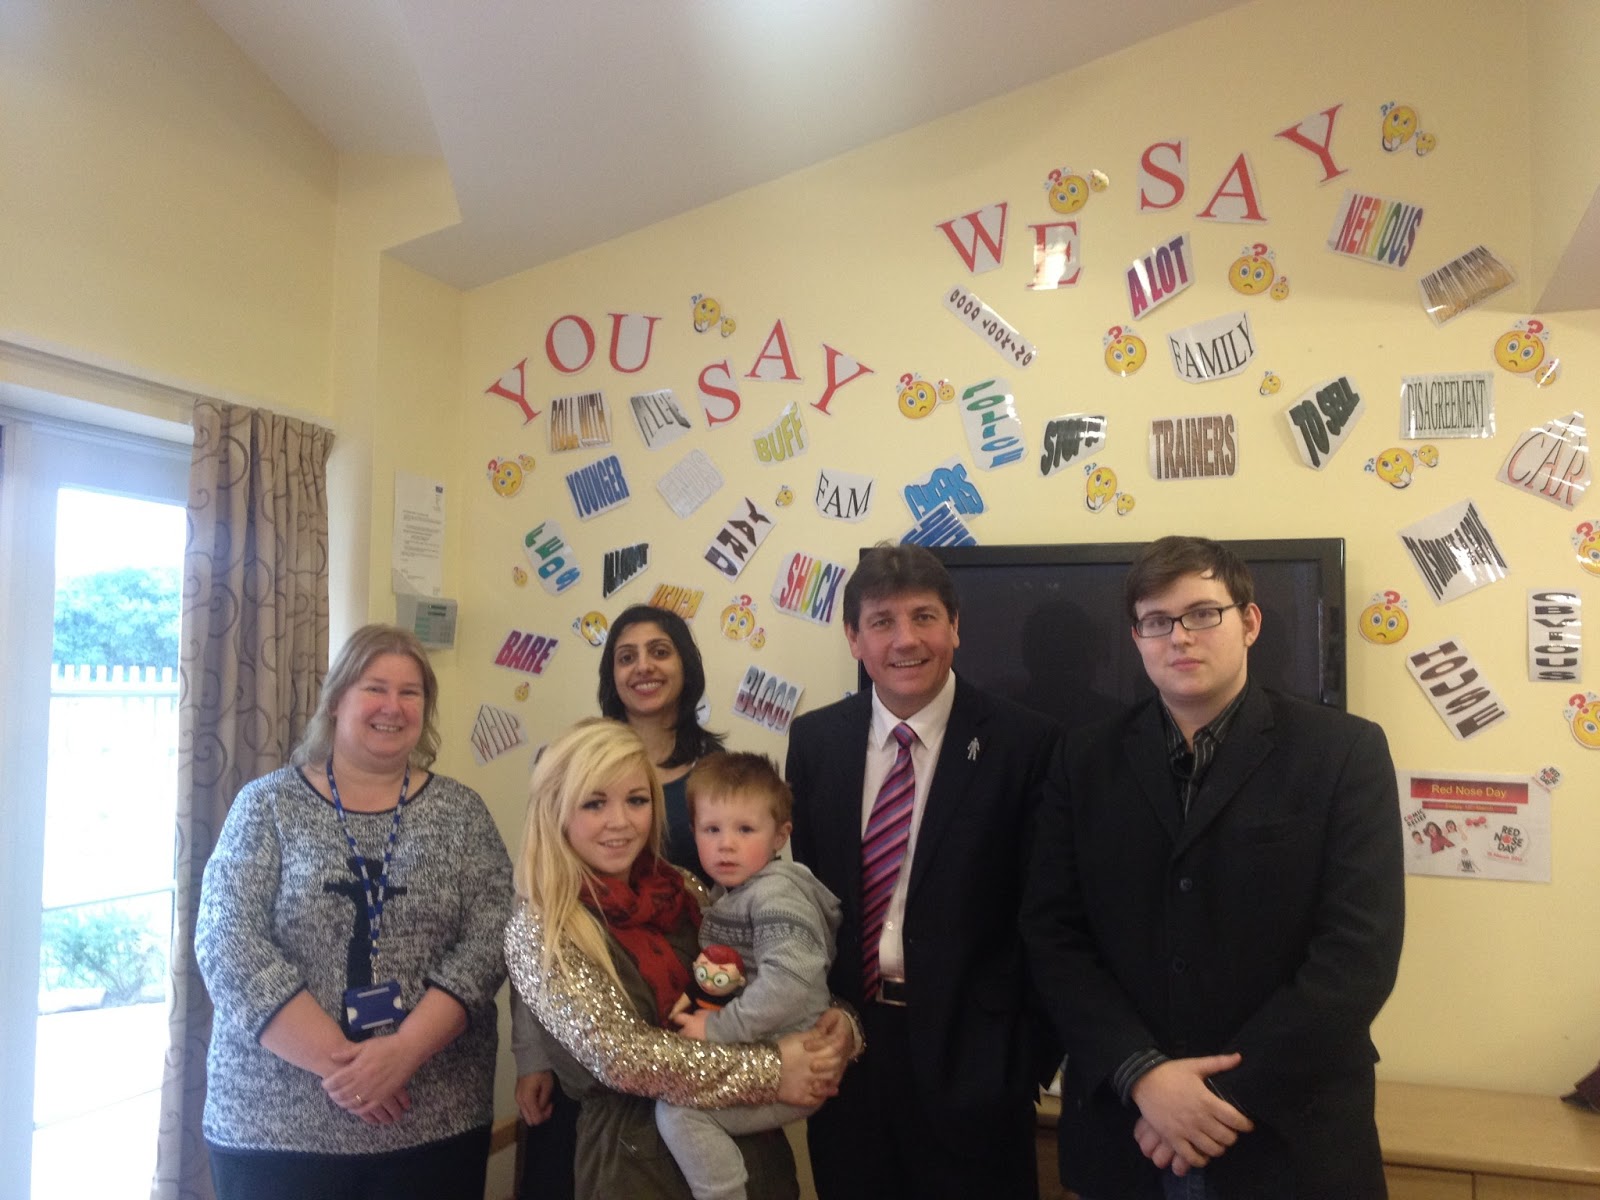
(1181, 1119)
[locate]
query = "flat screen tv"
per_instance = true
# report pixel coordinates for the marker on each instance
(1044, 624)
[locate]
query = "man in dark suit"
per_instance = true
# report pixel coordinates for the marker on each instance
(912, 803)
(1214, 913)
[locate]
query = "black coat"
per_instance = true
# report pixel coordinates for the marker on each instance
(1268, 923)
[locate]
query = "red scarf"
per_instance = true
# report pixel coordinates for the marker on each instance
(639, 914)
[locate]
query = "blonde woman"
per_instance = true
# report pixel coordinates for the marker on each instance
(599, 946)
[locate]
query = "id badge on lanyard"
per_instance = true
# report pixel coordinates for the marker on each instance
(378, 1007)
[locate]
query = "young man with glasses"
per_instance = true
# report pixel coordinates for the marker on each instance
(1214, 913)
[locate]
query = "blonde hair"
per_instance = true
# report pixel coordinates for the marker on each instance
(365, 646)
(549, 875)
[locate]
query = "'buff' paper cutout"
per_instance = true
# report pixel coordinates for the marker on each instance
(784, 439)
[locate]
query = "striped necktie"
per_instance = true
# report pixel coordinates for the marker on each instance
(883, 849)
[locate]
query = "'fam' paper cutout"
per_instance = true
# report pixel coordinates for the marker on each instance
(552, 558)
(495, 731)
(947, 482)
(1322, 418)
(766, 699)
(1483, 826)
(1069, 438)
(989, 325)
(1159, 276)
(1384, 621)
(1551, 461)
(1216, 349)
(579, 422)
(1463, 283)
(529, 653)
(739, 538)
(784, 439)
(1454, 552)
(685, 601)
(842, 495)
(598, 487)
(1457, 405)
(1456, 688)
(941, 527)
(1555, 636)
(659, 418)
(690, 483)
(1194, 447)
(1375, 229)
(506, 474)
(622, 566)
(994, 432)
(809, 587)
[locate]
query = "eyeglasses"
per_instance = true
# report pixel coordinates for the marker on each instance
(1160, 625)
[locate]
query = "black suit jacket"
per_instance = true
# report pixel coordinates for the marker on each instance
(1269, 923)
(971, 1038)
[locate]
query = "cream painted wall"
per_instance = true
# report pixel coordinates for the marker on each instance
(847, 253)
(1563, 153)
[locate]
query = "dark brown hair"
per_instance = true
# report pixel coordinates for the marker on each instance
(891, 569)
(689, 740)
(1166, 560)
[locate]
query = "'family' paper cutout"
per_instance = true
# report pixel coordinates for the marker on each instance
(592, 627)
(1463, 283)
(622, 566)
(579, 422)
(1384, 621)
(1125, 351)
(494, 732)
(810, 588)
(994, 431)
(766, 699)
(1069, 438)
(1583, 718)
(784, 439)
(598, 487)
(685, 601)
(1397, 466)
(1524, 349)
(1322, 418)
(1551, 461)
(1216, 349)
(1454, 552)
(690, 483)
(529, 653)
(947, 482)
(1194, 447)
(552, 558)
(1555, 636)
(842, 495)
(989, 325)
(941, 527)
(1159, 276)
(659, 418)
(506, 474)
(1455, 405)
(1456, 688)
(739, 538)
(1375, 229)
(916, 397)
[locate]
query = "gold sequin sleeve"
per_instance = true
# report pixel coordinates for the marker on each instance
(582, 1008)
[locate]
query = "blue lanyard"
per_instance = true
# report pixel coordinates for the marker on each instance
(374, 894)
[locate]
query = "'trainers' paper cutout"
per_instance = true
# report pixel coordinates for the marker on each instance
(1551, 461)
(843, 496)
(941, 527)
(989, 325)
(994, 432)
(1456, 688)
(1322, 418)
(1454, 552)
(552, 558)
(1375, 229)
(766, 699)
(1160, 275)
(1194, 447)
(1069, 438)
(810, 588)
(1455, 405)
(947, 482)
(1555, 636)
(1216, 349)
(739, 538)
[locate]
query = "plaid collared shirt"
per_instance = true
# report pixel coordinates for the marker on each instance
(1189, 767)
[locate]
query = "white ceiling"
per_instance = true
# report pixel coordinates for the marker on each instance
(564, 125)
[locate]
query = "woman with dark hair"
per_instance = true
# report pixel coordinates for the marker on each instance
(349, 932)
(652, 678)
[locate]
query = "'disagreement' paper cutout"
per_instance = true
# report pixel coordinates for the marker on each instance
(506, 474)
(598, 487)
(1456, 688)
(1475, 826)
(916, 397)
(1524, 349)
(1069, 438)
(552, 558)
(1194, 447)
(941, 527)
(784, 439)
(1385, 621)
(1056, 257)
(1125, 351)
(529, 653)
(494, 732)
(1555, 635)
(1454, 552)
(675, 598)
(660, 419)
(592, 627)
(738, 619)
(1375, 229)
(1463, 283)
(1163, 175)
(1551, 461)
(1586, 545)
(809, 588)
(1271, 383)
(513, 386)
(622, 566)
(739, 538)
(1159, 276)
(692, 481)
(708, 315)
(579, 422)
(989, 325)
(1216, 349)
(1455, 405)
(1397, 466)
(1400, 123)
(994, 431)
(1583, 718)
(1322, 418)
(948, 482)
(979, 237)
(766, 699)
(842, 495)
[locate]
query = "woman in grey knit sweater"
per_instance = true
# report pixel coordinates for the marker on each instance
(349, 933)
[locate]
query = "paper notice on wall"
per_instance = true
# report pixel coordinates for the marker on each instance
(416, 556)
(1479, 826)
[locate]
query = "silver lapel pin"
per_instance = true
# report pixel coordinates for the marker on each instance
(972, 750)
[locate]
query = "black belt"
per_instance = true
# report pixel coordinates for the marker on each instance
(893, 991)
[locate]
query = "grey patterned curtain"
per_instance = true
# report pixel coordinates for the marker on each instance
(254, 648)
